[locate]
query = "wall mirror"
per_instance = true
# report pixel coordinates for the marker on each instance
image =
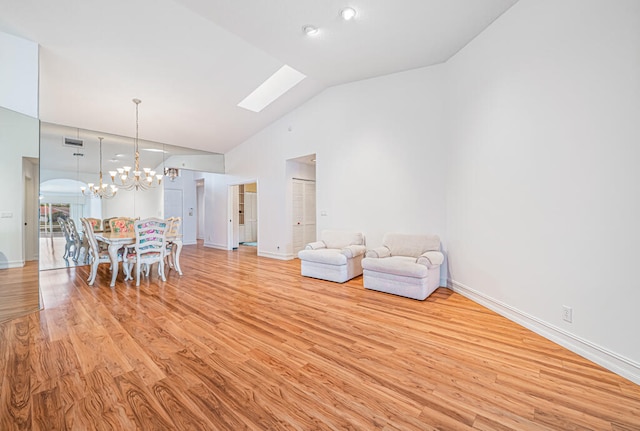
(70, 158)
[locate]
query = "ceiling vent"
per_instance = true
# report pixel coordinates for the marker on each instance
(73, 143)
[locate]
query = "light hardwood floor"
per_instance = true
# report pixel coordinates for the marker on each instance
(243, 342)
(19, 291)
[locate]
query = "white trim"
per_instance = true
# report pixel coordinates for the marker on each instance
(612, 361)
(279, 256)
(218, 246)
(12, 264)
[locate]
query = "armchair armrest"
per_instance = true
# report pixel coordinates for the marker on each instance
(431, 259)
(315, 245)
(378, 252)
(354, 250)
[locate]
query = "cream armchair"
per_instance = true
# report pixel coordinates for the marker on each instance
(405, 265)
(336, 257)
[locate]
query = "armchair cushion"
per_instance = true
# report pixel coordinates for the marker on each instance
(397, 265)
(352, 251)
(341, 239)
(410, 245)
(431, 259)
(378, 252)
(315, 245)
(329, 256)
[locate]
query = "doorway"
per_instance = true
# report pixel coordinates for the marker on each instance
(243, 215)
(248, 214)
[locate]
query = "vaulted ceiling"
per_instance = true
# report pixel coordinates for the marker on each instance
(192, 61)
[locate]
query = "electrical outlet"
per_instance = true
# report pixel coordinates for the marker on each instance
(567, 313)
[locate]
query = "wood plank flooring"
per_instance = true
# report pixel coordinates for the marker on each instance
(19, 292)
(243, 342)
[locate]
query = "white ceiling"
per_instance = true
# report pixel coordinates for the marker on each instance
(192, 61)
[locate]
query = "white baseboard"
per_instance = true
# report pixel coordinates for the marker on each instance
(214, 245)
(12, 264)
(279, 256)
(618, 364)
(190, 243)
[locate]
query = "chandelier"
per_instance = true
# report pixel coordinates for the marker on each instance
(136, 179)
(172, 173)
(100, 190)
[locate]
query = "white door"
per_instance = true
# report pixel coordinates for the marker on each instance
(250, 216)
(234, 227)
(200, 209)
(173, 205)
(304, 213)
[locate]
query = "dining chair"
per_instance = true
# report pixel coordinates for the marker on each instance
(149, 248)
(97, 255)
(79, 240)
(121, 224)
(69, 242)
(173, 232)
(96, 223)
(106, 227)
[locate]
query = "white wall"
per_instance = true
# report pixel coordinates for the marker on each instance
(19, 74)
(131, 203)
(381, 160)
(543, 196)
(18, 138)
(520, 152)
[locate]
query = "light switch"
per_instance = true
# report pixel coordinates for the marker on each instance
(6, 214)
(323, 213)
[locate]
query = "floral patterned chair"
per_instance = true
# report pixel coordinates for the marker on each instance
(121, 224)
(96, 223)
(150, 247)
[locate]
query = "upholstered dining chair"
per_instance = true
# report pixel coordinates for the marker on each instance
(121, 224)
(106, 227)
(96, 254)
(70, 244)
(173, 242)
(79, 240)
(149, 248)
(96, 223)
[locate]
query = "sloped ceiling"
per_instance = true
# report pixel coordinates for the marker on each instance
(192, 61)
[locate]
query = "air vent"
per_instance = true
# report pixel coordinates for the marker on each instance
(73, 143)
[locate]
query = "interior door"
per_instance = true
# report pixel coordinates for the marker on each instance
(173, 205)
(251, 216)
(304, 213)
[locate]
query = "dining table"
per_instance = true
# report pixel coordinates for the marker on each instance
(117, 240)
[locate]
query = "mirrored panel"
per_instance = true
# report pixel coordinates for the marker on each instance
(71, 162)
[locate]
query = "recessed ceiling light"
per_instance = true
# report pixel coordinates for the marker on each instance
(310, 30)
(348, 13)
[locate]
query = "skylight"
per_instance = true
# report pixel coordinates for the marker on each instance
(275, 86)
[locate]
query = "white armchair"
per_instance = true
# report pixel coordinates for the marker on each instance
(405, 265)
(336, 257)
